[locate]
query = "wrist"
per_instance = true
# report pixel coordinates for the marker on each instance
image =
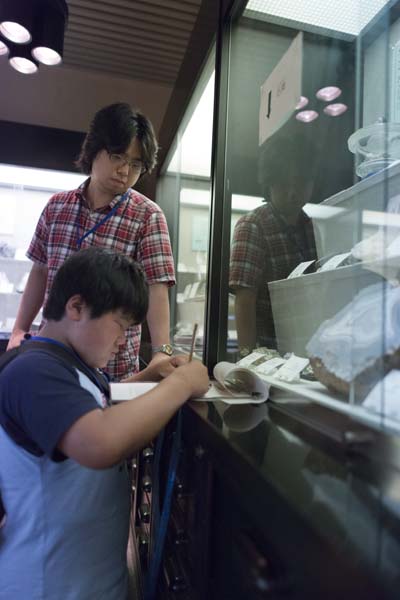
(244, 351)
(163, 349)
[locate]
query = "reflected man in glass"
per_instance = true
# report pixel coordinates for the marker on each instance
(270, 241)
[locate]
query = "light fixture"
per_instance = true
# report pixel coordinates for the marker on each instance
(335, 110)
(328, 93)
(16, 19)
(21, 60)
(37, 25)
(48, 32)
(302, 102)
(307, 116)
(3, 48)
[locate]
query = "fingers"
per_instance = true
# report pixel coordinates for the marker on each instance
(179, 359)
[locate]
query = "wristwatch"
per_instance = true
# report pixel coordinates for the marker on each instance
(165, 348)
(244, 351)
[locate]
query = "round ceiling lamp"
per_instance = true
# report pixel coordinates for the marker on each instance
(48, 33)
(302, 102)
(307, 116)
(3, 48)
(16, 20)
(38, 25)
(21, 60)
(328, 93)
(335, 110)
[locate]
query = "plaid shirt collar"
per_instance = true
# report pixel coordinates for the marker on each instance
(81, 192)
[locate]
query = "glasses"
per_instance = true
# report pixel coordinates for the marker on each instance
(135, 165)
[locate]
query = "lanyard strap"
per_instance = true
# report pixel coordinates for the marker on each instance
(79, 238)
(161, 532)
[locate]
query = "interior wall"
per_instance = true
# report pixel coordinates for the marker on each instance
(66, 98)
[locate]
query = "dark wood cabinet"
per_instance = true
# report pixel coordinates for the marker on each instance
(233, 535)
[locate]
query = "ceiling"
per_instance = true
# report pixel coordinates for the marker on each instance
(137, 39)
(145, 52)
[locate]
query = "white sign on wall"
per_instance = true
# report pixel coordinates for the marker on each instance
(280, 93)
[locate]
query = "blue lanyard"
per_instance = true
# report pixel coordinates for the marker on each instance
(40, 338)
(161, 521)
(79, 238)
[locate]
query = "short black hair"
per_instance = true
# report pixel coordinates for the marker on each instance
(107, 282)
(113, 129)
(292, 150)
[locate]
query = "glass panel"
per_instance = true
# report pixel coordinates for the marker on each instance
(184, 193)
(313, 132)
(23, 193)
(313, 145)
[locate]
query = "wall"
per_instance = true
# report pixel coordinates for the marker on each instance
(67, 98)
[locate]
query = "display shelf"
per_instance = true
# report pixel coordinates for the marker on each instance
(365, 186)
(315, 391)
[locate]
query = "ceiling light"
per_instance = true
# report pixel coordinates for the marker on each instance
(48, 33)
(3, 48)
(306, 116)
(21, 60)
(329, 93)
(15, 32)
(335, 110)
(16, 20)
(37, 23)
(301, 103)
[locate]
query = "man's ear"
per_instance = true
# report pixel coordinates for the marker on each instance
(75, 307)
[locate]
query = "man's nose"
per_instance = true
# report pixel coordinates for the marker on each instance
(123, 169)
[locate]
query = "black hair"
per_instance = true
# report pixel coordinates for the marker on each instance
(293, 150)
(106, 281)
(113, 129)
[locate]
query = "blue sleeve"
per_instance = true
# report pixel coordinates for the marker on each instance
(40, 399)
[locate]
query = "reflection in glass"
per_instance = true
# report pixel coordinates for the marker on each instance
(184, 193)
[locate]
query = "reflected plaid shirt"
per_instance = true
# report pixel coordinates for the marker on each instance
(264, 249)
(137, 229)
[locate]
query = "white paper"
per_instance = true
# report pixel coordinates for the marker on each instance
(128, 391)
(255, 390)
(249, 359)
(292, 368)
(299, 270)
(334, 262)
(269, 366)
(281, 91)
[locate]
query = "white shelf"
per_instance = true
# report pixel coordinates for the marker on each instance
(315, 391)
(363, 186)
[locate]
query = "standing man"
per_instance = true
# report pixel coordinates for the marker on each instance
(105, 211)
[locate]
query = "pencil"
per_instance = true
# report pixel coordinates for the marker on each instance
(193, 341)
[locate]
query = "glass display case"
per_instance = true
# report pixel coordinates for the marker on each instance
(184, 194)
(304, 260)
(309, 117)
(23, 195)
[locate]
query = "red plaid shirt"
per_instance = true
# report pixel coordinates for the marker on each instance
(137, 229)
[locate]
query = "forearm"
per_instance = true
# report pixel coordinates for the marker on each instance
(137, 422)
(32, 298)
(158, 315)
(245, 312)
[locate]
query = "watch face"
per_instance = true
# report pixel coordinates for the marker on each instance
(165, 348)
